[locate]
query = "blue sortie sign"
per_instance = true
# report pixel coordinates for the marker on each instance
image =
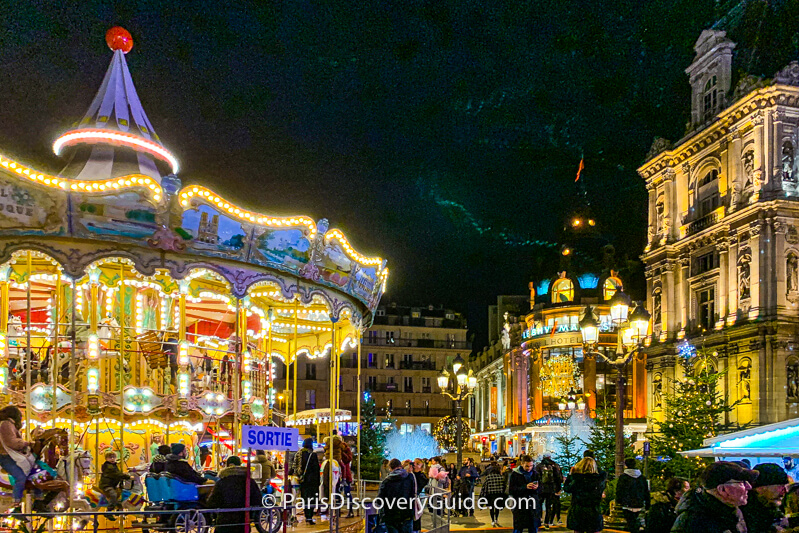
(270, 438)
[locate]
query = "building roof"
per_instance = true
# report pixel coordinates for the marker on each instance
(115, 138)
(773, 440)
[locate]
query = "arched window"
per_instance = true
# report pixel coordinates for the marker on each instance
(709, 177)
(562, 291)
(709, 99)
(609, 288)
(707, 192)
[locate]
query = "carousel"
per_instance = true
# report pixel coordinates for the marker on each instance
(135, 311)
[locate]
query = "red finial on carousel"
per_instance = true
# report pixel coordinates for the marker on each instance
(118, 38)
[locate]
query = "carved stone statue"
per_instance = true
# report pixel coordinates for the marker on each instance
(656, 305)
(744, 380)
(657, 392)
(748, 161)
(787, 162)
(789, 75)
(792, 273)
(744, 258)
(792, 375)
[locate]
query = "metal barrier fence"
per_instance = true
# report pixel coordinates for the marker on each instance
(195, 520)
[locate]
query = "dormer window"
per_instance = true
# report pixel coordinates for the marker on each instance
(562, 291)
(709, 98)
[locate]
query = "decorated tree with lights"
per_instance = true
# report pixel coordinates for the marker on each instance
(694, 411)
(446, 431)
(570, 444)
(602, 436)
(373, 439)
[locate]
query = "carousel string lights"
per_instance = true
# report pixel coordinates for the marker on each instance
(136, 312)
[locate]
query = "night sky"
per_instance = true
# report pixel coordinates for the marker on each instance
(442, 135)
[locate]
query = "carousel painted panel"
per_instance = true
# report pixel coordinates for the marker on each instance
(208, 232)
(31, 210)
(286, 249)
(124, 216)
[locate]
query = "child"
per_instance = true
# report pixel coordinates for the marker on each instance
(110, 479)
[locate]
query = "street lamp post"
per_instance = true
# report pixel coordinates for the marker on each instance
(631, 333)
(458, 389)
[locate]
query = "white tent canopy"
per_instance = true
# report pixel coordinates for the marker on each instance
(772, 440)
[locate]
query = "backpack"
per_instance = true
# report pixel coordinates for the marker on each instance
(547, 475)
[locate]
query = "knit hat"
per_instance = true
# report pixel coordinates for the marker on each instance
(770, 474)
(721, 472)
(177, 448)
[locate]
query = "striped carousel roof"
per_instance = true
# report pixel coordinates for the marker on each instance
(115, 138)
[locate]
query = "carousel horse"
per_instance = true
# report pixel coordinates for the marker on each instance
(324, 486)
(132, 497)
(43, 478)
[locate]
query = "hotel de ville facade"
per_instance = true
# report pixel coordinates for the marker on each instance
(722, 260)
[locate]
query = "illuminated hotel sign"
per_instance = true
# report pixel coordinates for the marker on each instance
(530, 333)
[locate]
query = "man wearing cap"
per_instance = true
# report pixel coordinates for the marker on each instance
(714, 507)
(762, 511)
(177, 466)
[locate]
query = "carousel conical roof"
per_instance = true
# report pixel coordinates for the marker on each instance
(115, 138)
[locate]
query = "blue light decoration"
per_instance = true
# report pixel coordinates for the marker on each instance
(542, 288)
(686, 350)
(366, 396)
(588, 280)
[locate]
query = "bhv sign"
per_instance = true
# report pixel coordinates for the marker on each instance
(270, 438)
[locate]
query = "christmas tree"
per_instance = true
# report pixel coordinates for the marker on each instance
(373, 439)
(569, 445)
(602, 437)
(694, 411)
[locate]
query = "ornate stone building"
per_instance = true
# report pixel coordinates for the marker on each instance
(722, 257)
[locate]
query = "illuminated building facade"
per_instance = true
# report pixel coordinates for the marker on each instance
(526, 383)
(722, 259)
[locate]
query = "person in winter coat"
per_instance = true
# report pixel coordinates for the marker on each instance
(177, 466)
(110, 478)
(346, 476)
(11, 442)
(523, 489)
(267, 470)
(551, 479)
(439, 477)
(159, 460)
(714, 507)
(396, 492)
(421, 482)
(469, 473)
(337, 443)
(587, 486)
(763, 510)
(306, 467)
(384, 469)
(230, 493)
(493, 493)
(662, 514)
(632, 495)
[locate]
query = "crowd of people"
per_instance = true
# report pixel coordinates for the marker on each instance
(727, 497)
